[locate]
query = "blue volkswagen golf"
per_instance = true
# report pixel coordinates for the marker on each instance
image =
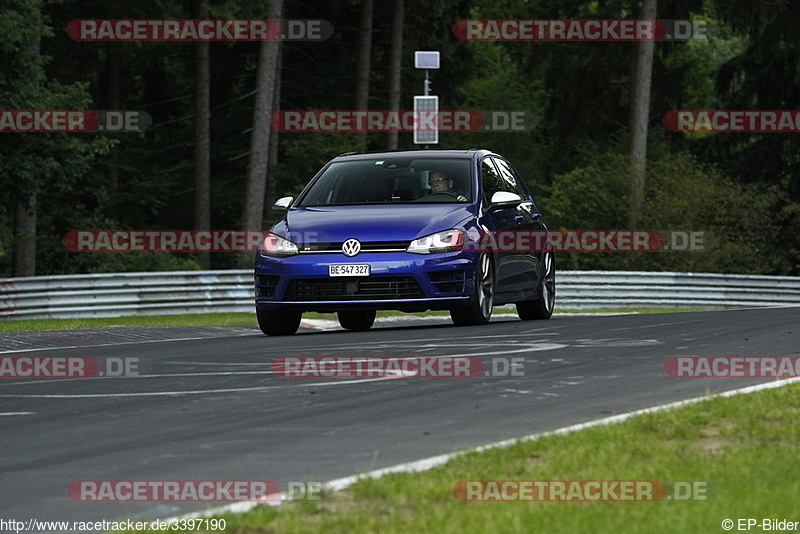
(404, 231)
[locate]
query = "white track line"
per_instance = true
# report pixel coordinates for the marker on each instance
(115, 343)
(435, 461)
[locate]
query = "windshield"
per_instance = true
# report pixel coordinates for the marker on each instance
(392, 181)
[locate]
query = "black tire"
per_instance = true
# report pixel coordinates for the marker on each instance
(480, 309)
(283, 323)
(542, 308)
(358, 320)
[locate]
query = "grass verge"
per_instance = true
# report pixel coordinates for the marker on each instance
(745, 448)
(246, 319)
(196, 319)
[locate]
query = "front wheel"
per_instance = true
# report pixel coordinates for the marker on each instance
(542, 308)
(480, 310)
(356, 320)
(274, 323)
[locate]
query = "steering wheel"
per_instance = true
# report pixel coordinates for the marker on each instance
(451, 194)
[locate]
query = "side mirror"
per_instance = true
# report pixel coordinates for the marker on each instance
(503, 200)
(282, 204)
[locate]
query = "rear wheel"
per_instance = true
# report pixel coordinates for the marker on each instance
(358, 320)
(480, 310)
(274, 323)
(542, 308)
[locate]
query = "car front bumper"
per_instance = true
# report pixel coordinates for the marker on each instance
(397, 281)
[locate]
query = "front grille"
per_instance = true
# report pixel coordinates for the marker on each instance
(366, 246)
(373, 288)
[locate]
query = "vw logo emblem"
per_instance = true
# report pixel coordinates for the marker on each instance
(351, 247)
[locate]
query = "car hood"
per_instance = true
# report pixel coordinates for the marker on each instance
(386, 222)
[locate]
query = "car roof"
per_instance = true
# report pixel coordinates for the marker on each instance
(454, 154)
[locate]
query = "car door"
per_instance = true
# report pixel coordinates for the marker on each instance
(527, 263)
(499, 222)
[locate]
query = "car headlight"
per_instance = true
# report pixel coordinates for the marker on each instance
(275, 245)
(447, 241)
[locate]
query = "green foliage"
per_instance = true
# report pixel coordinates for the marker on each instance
(763, 75)
(30, 162)
(681, 195)
(700, 62)
(45, 164)
(59, 259)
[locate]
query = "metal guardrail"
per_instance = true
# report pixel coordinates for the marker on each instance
(618, 289)
(167, 293)
(117, 294)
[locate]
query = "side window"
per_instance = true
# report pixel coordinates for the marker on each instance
(491, 180)
(511, 180)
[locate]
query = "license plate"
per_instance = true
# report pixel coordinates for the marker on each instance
(348, 269)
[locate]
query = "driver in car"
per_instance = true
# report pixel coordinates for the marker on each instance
(441, 184)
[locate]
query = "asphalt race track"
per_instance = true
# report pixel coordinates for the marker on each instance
(207, 407)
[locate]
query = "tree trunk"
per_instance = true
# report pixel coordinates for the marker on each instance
(202, 133)
(24, 253)
(253, 213)
(640, 115)
(25, 238)
(113, 61)
(271, 186)
(362, 74)
(395, 66)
